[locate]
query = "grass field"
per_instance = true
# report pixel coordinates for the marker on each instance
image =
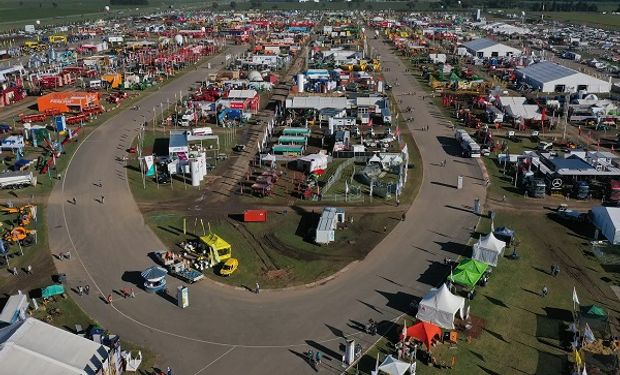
(279, 253)
(16, 13)
(523, 332)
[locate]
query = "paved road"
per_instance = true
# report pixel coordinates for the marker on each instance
(226, 330)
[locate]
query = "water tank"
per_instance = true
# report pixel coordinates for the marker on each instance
(203, 163)
(255, 76)
(195, 171)
(178, 39)
(300, 82)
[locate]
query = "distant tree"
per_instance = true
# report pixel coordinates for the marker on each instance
(21, 3)
(274, 6)
(255, 4)
(40, 5)
(232, 5)
(55, 5)
(214, 5)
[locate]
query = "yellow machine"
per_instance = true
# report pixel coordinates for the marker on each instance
(26, 213)
(58, 39)
(33, 44)
(21, 235)
(219, 252)
(114, 79)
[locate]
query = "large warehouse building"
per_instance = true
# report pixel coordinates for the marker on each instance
(486, 48)
(547, 76)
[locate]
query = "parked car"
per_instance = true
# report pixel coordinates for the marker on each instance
(229, 267)
(163, 178)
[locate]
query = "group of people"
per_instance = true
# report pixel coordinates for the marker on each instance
(81, 290)
(314, 359)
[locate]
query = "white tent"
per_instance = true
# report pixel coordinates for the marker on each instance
(393, 366)
(488, 249)
(439, 306)
(607, 220)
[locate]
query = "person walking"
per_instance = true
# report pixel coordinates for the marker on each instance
(384, 228)
(109, 299)
(29, 269)
(74, 201)
(80, 290)
(403, 217)
(545, 291)
(257, 290)
(169, 371)
(87, 289)
(132, 293)
(102, 198)
(15, 271)
(318, 357)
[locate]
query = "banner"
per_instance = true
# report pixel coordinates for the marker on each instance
(150, 165)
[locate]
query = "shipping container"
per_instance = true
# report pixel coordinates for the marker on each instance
(254, 216)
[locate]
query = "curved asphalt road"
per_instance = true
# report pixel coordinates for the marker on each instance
(225, 330)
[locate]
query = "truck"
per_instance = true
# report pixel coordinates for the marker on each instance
(581, 190)
(176, 265)
(613, 192)
(536, 187)
(17, 180)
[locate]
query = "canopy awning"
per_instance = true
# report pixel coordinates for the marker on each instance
(154, 273)
(424, 332)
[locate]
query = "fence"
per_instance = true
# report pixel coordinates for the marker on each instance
(338, 172)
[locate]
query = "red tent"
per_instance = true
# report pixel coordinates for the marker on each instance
(424, 332)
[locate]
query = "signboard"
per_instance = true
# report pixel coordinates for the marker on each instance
(61, 123)
(183, 297)
(236, 105)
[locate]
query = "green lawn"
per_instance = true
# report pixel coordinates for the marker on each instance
(16, 13)
(279, 253)
(523, 332)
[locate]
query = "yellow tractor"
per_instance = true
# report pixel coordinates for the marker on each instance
(23, 236)
(25, 213)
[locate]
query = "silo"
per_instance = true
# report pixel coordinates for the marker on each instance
(300, 82)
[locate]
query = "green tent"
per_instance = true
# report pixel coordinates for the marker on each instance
(473, 265)
(465, 278)
(468, 272)
(595, 311)
(52, 290)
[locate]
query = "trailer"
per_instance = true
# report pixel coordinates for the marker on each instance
(17, 180)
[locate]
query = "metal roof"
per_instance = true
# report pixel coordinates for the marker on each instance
(35, 347)
(546, 71)
(478, 44)
(328, 220)
(571, 162)
(14, 305)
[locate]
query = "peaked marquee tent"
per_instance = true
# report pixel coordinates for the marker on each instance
(393, 366)
(424, 332)
(439, 306)
(488, 249)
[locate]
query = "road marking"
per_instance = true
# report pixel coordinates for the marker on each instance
(215, 360)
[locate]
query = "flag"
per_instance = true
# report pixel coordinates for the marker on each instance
(578, 360)
(588, 335)
(575, 298)
(150, 165)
